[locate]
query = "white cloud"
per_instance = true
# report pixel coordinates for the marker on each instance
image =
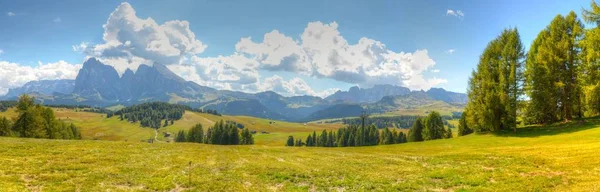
(435, 71)
(57, 20)
(11, 14)
(322, 52)
(457, 13)
(294, 87)
(14, 75)
(127, 36)
(450, 51)
(1, 51)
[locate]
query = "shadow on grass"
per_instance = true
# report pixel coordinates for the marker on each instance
(552, 129)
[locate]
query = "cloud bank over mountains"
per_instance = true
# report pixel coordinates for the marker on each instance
(320, 51)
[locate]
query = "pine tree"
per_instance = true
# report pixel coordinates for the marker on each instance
(290, 141)
(434, 127)
(5, 127)
(552, 70)
(181, 137)
(415, 134)
(463, 128)
(166, 123)
(309, 141)
(495, 86)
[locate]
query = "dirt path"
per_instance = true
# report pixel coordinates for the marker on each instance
(156, 136)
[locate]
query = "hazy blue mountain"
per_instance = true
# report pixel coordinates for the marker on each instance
(100, 85)
(368, 95)
(46, 87)
(447, 96)
(377, 92)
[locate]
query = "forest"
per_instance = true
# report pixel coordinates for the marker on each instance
(423, 129)
(221, 133)
(36, 121)
(557, 80)
(153, 114)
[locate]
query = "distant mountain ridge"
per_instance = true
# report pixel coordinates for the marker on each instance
(100, 85)
(47, 87)
(377, 92)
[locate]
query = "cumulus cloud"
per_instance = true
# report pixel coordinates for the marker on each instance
(14, 75)
(435, 71)
(450, 51)
(320, 51)
(127, 36)
(11, 14)
(457, 13)
(323, 52)
(293, 87)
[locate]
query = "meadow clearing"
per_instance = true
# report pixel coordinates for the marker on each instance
(562, 157)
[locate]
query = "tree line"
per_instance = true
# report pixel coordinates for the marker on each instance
(557, 80)
(403, 121)
(153, 114)
(36, 121)
(426, 128)
(5, 105)
(222, 133)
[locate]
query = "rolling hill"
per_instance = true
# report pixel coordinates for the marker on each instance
(551, 158)
(95, 126)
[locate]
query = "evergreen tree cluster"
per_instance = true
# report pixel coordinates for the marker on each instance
(402, 122)
(429, 128)
(352, 135)
(37, 121)
(5, 105)
(153, 114)
(221, 133)
(557, 80)
(238, 125)
(383, 122)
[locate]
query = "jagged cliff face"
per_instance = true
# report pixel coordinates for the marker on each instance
(368, 95)
(97, 81)
(45, 87)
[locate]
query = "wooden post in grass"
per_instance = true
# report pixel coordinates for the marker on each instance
(190, 174)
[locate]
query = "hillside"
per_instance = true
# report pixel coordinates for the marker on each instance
(95, 126)
(553, 158)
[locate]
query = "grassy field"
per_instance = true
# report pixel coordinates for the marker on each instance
(95, 126)
(551, 158)
(539, 158)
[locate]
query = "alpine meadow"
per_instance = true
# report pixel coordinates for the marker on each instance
(299, 95)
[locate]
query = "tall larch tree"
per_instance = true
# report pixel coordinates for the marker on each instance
(495, 85)
(552, 72)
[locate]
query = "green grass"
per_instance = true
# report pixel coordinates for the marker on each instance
(561, 157)
(95, 126)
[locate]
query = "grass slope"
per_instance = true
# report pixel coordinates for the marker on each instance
(552, 158)
(95, 126)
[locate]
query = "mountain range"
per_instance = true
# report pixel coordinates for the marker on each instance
(100, 85)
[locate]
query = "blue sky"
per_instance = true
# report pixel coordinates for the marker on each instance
(40, 35)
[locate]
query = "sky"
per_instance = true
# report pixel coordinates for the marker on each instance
(290, 47)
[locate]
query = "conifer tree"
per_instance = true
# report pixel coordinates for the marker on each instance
(415, 134)
(5, 127)
(290, 141)
(181, 137)
(463, 128)
(495, 85)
